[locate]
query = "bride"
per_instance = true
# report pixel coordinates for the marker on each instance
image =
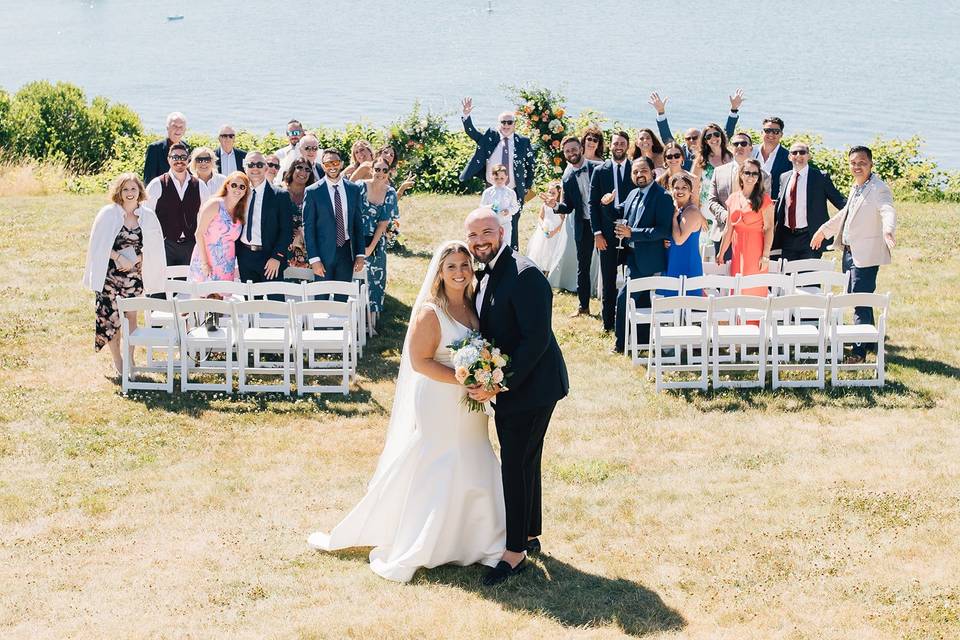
(436, 496)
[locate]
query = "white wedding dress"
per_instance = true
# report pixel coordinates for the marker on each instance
(437, 496)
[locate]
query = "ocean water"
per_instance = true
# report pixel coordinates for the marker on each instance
(848, 70)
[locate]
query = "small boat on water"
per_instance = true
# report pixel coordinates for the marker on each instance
(176, 17)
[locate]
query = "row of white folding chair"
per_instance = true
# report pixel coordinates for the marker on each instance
(694, 322)
(312, 327)
(775, 266)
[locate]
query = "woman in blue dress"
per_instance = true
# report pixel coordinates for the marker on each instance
(379, 206)
(683, 256)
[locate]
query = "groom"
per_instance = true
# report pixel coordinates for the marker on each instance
(515, 305)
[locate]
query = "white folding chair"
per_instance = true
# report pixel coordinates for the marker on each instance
(636, 315)
(776, 284)
(786, 332)
(298, 273)
(229, 290)
(268, 338)
(713, 269)
(711, 285)
(842, 333)
(740, 333)
(162, 337)
(692, 331)
(364, 311)
(821, 282)
(775, 266)
(173, 290)
(354, 293)
(808, 264)
(201, 338)
(179, 271)
(291, 292)
(323, 326)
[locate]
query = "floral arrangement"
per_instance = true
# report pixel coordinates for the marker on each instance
(477, 361)
(543, 118)
(412, 136)
(393, 233)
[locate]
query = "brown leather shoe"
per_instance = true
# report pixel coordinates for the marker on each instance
(580, 312)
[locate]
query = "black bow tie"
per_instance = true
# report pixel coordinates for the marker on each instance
(480, 273)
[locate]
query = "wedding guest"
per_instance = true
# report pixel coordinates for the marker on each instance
(175, 196)
(865, 230)
(648, 145)
(294, 133)
(124, 259)
(273, 167)
(725, 182)
(749, 227)
(389, 154)
(361, 153)
(229, 158)
(801, 207)
(201, 165)
(683, 254)
(576, 202)
(691, 137)
(593, 145)
(648, 211)
(714, 152)
(297, 178)
(156, 163)
(546, 245)
(502, 199)
(267, 228)
(773, 156)
(309, 149)
(673, 166)
(613, 176)
(221, 218)
(504, 147)
(333, 224)
(379, 203)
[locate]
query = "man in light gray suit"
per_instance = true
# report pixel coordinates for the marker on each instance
(724, 183)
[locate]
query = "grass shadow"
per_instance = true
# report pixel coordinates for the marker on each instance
(569, 596)
(897, 355)
(404, 251)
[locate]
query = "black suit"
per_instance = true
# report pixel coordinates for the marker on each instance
(516, 315)
(276, 233)
(239, 154)
(155, 163)
(651, 218)
(795, 244)
(574, 204)
(602, 216)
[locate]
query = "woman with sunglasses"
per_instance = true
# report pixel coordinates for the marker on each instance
(749, 225)
(202, 164)
(218, 227)
(297, 178)
(273, 167)
(592, 141)
(713, 152)
(378, 207)
(673, 166)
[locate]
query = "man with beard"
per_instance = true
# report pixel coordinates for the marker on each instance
(576, 202)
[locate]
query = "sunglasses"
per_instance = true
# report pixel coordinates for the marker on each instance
(301, 167)
(294, 132)
(228, 135)
(773, 130)
(741, 143)
(179, 158)
(691, 138)
(256, 165)
(711, 135)
(752, 174)
(273, 165)
(331, 163)
(799, 152)
(204, 159)
(507, 121)
(673, 156)
(310, 148)
(238, 185)
(592, 139)
(376, 170)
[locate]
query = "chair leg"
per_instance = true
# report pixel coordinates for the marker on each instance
(170, 369)
(881, 368)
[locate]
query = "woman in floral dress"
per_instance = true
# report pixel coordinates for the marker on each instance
(379, 206)
(218, 227)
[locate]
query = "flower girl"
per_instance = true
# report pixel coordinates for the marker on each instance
(502, 200)
(547, 244)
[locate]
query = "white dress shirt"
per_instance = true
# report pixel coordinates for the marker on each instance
(256, 215)
(801, 210)
(616, 180)
(496, 158)
(228, 162)
(768, 163)
(155, 189)
(486, 275)
(213, 185)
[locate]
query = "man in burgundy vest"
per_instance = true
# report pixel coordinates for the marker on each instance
(175, 196)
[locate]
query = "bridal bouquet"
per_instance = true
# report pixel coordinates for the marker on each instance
(477, 361)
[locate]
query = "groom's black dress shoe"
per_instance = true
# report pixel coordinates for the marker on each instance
(533, 547)
(502, 572)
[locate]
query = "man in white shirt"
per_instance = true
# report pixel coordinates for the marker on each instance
(175, 197)
(773, 157)
(229, 158)
(289, 153)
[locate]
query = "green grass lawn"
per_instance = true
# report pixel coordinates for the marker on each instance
(735, 514)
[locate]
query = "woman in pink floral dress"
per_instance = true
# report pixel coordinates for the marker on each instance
(218, 227)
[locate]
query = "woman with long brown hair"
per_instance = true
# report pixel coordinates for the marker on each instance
(592, 141)
(649, 145)
(218, 227)
(749, 225)
(714, 151)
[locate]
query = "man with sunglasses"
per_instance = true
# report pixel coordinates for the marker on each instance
(175, 196)
(332, 225)
(691, 138)
(723, 183)
(290, 152)
(268, 226)
(802, 205)
(772, 155)
(155, 163)
(502, 146)
(229, 158)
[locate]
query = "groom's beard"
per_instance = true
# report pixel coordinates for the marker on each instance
(486, 256)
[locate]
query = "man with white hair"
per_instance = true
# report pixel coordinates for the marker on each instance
(155, 163)
(229, 157)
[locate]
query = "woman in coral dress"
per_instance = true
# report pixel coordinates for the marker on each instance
(749, 226)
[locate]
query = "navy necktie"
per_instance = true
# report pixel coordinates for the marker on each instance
(253, 201)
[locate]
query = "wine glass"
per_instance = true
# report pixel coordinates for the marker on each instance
(622, 221)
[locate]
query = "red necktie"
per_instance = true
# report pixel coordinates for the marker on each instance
(338, 212)
(792, 203)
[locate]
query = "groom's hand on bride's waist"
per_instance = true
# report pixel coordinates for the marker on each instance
(478, 393)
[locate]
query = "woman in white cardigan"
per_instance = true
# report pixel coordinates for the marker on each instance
(125, 259)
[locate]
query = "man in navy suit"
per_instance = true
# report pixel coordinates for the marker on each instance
(267, 229)
(503, 146)
(576, 202)
(802, 205)
(691, 137)
(772, 155)
(229, 158)
(155, 162)
(611, 177)
(332, 227)
(649, 214)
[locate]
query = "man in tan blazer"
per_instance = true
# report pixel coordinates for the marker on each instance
(724, 183)
(865, 230)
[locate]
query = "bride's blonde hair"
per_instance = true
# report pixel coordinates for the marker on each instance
(438, 294)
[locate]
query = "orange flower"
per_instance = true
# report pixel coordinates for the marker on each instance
(555, 144)
(545, 136)
(556, 161)
(559, 112)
